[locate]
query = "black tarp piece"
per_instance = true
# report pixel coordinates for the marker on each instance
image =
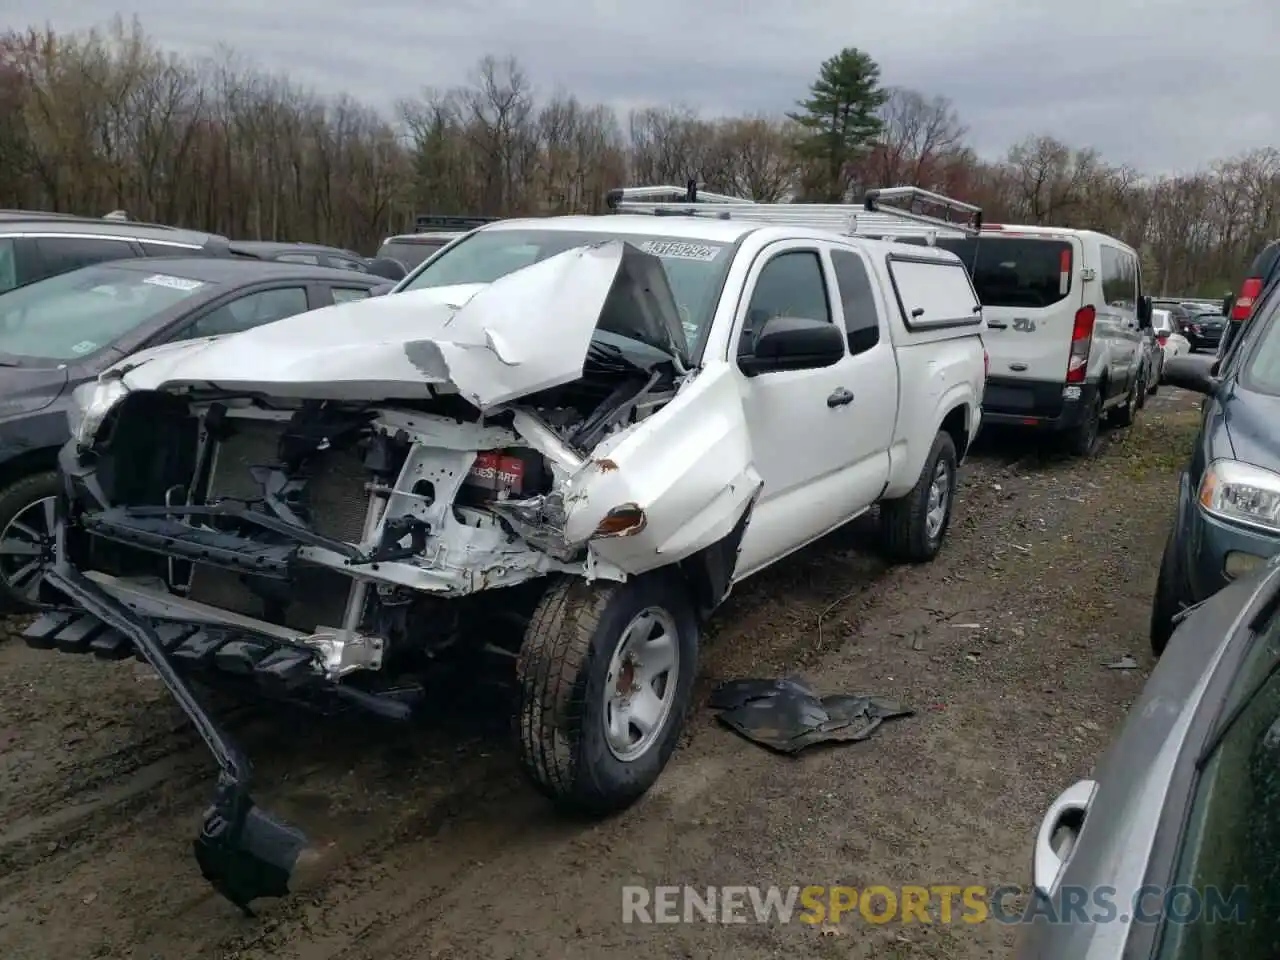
(786, 716)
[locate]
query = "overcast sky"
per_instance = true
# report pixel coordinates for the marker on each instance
(1167, 85)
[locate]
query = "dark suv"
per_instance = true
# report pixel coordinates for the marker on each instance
(1201, 324)
(38, 245)
(1228, 518)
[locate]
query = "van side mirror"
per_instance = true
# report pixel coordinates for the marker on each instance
(1191, 373)
(1144, 313)
(1228, 302)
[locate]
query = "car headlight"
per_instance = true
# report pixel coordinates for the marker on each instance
(1242, 493)
(90, 404)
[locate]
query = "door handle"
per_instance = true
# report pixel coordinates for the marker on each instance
(840, 397)
(1067, 811)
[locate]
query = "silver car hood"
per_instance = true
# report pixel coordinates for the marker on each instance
(492, 343)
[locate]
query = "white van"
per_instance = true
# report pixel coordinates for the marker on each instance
(1065, 312)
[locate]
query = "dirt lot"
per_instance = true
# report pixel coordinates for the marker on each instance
(435, 848)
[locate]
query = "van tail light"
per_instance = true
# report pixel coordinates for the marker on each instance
(1081, 340)
(1249, 292)
(1163, 339)
(1064, 272)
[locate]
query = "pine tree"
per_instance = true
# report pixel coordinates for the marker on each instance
(841, 121)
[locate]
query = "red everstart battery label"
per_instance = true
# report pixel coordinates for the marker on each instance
(497, 472)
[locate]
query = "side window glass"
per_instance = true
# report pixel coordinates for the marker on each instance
(8, 264)
(63, 254)
(1119, 279)
(348, 294)
(265, 306)
(861, 316)
(1230, 851)
(169, 250)
(790, 285)
(341, 263)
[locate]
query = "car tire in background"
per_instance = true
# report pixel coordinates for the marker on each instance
(1166, 604)
(26, 539)
(1082, 440)
(912, 527)
(584, 644)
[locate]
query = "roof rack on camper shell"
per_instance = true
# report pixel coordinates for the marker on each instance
(889, 213)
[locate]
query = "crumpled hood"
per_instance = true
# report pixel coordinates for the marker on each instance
(525, 332)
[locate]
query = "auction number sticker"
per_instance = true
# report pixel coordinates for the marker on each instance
(681, 250)
(174, 283)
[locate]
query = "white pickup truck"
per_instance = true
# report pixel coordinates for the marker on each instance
(601, 424)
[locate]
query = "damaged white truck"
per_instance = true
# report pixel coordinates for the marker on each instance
(600, 424)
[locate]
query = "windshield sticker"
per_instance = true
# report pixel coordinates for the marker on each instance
(83, 347)
(173, 283)
(681, 250)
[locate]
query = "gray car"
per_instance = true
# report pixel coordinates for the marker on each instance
(1173, 849)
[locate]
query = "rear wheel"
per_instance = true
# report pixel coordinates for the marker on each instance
(1082, 439)
(606, 676)
(913, 526)
(1123, 415)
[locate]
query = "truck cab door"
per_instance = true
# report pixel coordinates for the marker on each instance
(802, 422)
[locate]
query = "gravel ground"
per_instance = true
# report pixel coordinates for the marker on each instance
(433, 847)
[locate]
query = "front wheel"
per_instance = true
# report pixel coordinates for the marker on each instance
(605, 678)
(913, 526)
(1166, 603)
(26, 539)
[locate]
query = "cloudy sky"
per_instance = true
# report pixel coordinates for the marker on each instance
(1162, 84)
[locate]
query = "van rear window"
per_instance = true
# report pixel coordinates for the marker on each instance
(1015, 271)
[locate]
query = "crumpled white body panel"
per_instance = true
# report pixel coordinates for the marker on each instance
(528, 331)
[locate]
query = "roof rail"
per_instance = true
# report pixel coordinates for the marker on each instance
(887, 213)
(438, 221)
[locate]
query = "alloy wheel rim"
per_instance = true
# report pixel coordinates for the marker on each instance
(26, 548)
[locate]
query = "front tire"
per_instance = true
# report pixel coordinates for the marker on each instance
(605, 679)
(913, 526)
(26, 539)
(1167, 602)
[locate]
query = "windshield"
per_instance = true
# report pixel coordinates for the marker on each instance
(1263, 372)
(695, 268)
(76, 314)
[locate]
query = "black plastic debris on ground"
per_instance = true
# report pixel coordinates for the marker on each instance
(786, 716)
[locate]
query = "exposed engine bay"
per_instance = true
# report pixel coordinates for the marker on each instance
(346, 523)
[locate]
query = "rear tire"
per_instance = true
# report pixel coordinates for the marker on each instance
(1123, 415)
(1166, 604)
(913, 527)
(584, 644)
(1082, 439)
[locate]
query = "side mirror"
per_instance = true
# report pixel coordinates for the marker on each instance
(381, 289)
(1144, 313)
(1228, 302)
(1191, 373)
(794, 343)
